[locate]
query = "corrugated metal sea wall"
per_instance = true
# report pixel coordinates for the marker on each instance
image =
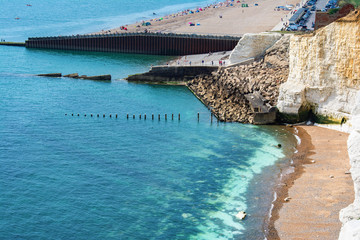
(142, 43)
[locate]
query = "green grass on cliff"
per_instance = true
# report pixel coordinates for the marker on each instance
(356, 3)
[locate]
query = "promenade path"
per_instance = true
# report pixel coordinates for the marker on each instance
(212, 59)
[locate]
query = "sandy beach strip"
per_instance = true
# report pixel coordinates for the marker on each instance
(317, 190)
(259, 16)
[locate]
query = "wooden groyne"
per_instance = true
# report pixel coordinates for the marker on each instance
(141, 43)
(152, 116)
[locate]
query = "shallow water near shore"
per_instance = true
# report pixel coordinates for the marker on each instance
(83, 177)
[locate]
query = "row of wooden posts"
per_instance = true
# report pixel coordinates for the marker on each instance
(133, 116)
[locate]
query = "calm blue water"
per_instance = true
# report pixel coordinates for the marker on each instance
(67, 17)
(70, 177)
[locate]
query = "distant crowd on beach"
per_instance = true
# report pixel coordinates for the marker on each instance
(227, 3)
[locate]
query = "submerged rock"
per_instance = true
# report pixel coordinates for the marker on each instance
(241, 215)
(50, 75)
(72, 75)
(99, 77)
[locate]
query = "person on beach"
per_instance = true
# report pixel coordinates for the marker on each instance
(343, 120)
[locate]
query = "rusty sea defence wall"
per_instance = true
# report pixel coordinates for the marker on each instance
(141, 43)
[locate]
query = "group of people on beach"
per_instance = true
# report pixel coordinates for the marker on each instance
(226, 3)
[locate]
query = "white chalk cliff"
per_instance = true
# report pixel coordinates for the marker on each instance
(325, 75)
(324, 70)
(350, 216)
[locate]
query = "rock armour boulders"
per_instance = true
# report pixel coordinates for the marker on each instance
(224, 90)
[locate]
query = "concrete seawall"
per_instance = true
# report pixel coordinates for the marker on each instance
(178, 75)
(16, 44)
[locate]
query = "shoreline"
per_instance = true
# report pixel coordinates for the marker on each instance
(288, 173)
(285, 209)
(223, 18)
(260, 195)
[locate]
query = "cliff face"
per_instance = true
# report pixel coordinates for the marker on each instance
(324, 71)
(350, 215)
(325, 77)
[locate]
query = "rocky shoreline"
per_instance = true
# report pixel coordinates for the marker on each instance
(224, 91)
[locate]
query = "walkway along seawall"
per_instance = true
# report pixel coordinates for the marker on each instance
(141, 43)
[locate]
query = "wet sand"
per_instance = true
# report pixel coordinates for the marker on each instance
(318, 189)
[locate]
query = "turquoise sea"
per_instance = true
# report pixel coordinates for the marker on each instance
(83, 177)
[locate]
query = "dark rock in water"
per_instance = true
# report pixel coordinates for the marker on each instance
(72, 75)
(99, 77)
(176, 75)
(50, 75)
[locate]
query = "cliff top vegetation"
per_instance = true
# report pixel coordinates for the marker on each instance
(356, 3)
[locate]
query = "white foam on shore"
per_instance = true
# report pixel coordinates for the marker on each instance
(285, 172)
(298, 141)
(272, 205)
(233, 195)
